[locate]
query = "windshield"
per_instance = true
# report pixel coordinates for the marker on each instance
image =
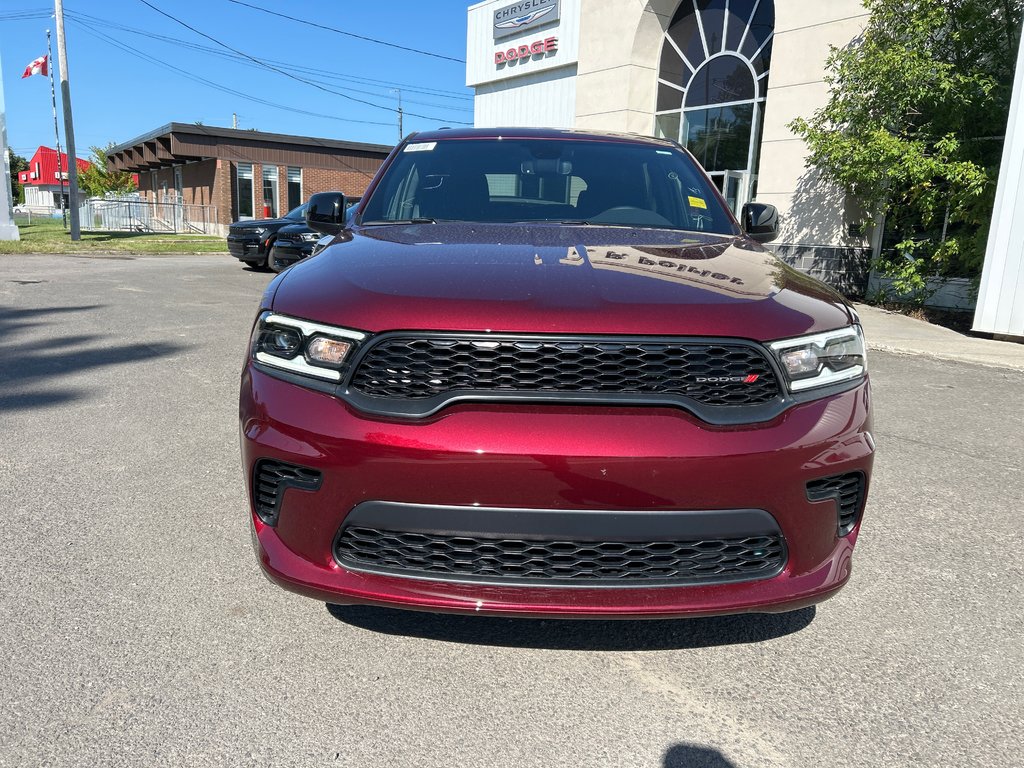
(547, 180)
(298, 214)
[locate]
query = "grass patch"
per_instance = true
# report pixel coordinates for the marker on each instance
(48, 236)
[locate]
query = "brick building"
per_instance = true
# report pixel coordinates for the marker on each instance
(243, 174)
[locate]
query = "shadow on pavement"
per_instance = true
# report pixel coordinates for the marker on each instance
(32, 370)
(576, 634)
(692, 756)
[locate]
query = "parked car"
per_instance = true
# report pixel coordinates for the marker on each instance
(293, 243)
(299, 241)
(547, 372)
(251, 240)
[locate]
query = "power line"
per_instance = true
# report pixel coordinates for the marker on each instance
(287, 74)
(108, 24)
(210, 83)
(348, 34)
(90, 30)
(24, 15)
(441, 93)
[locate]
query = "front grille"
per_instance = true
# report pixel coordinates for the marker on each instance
(271, 478)
(848, 492)
(477, 558)
(710, 373)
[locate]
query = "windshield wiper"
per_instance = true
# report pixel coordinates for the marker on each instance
(417, 220)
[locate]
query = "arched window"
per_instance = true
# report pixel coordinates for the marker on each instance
(712, 82)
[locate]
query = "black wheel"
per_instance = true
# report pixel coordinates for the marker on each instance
(272, 262)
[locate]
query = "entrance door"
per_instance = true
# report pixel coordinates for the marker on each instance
(736, 189)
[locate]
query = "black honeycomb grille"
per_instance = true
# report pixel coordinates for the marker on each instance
(476, 558)
(848, 492)
(424, 367)
(271, 478)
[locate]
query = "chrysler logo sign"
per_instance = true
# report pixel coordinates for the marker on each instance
(522, 16)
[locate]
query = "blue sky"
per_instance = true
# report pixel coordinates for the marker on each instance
(119, 92)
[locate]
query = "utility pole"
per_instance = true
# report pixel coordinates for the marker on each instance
(56, 131)
(401, 133)
(69, 125)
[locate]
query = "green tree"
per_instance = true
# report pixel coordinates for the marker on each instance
(18, 163)
(914, 127)
(97, 181)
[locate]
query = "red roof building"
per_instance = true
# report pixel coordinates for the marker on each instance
(42, 182)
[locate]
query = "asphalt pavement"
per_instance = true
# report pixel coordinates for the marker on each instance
(138, 631)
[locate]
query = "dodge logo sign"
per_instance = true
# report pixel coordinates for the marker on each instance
(522, 16)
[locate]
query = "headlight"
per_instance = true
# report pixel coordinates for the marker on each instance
(311, 237)
(260, 230)
(302, 347)
(822, 359)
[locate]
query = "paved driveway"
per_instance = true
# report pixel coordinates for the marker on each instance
(137, 630)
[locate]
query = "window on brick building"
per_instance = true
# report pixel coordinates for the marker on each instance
(245, 190)
(294, 188)
(270, 191)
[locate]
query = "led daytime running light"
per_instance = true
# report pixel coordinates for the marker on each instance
(823, 358)
(299, 346)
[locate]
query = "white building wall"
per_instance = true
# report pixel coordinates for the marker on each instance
(812, 213)
(1000, 307)
(548, 102)
(539, 91)
(618, 68)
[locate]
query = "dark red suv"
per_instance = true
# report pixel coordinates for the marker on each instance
(547, 372)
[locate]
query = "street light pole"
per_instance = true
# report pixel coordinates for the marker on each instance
(69, 125)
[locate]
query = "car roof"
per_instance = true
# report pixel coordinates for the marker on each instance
(450, 134)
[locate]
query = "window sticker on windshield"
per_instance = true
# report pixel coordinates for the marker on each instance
(423, 146)
(697, 202)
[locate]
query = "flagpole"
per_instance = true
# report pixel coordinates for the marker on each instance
(69, 126)
(56, 131)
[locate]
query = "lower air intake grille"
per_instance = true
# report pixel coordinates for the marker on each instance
(271, 478)
(848, 492)
(474, 558)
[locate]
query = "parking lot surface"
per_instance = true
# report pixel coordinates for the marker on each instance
(137, 630)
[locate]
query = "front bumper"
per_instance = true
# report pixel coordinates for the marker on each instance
(245, 248)
(288, 252)
(618, 460)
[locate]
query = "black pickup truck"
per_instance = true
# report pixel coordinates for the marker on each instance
(251, 241)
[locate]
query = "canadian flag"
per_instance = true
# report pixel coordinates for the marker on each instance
(40, 66)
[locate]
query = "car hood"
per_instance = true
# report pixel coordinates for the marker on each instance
(557, 279)
(254, 223)
(294, 229)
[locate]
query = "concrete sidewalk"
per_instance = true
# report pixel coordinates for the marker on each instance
(892, 332)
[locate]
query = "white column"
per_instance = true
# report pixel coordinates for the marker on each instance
(8, 229)
(1000, 307)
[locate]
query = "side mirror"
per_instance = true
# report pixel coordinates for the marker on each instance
(760, 222)
(325, 212)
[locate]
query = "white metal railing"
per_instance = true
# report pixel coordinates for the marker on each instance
(131, 213)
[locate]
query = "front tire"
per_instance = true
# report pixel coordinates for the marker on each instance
(272, 262)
